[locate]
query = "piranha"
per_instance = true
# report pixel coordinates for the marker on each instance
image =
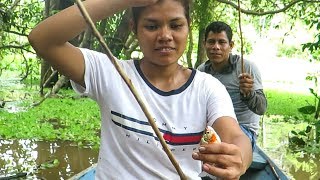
(210, 136)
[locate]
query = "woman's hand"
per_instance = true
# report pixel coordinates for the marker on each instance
(222, 160)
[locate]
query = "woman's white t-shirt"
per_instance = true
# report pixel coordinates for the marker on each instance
(129, 148)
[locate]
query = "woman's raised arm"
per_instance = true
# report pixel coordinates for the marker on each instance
(50, 37)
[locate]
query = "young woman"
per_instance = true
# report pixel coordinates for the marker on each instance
(182, 101)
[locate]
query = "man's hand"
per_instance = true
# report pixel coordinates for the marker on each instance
(245, 84)
(222, 160)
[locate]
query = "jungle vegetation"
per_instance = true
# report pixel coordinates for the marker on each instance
(19, 60)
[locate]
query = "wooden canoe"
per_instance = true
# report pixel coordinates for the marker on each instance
(262, 168)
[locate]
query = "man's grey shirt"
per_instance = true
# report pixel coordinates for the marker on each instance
(247, 109)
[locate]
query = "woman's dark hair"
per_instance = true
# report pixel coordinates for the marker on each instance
(218, 27)
(136, 12)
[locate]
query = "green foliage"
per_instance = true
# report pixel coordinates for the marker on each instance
(14, 46)
(313, 47)
(61, 118)
(287, 104)
(295, 108)
(305, 140)
(277, 137)
(314, 77)
(108, 28)
(311, 18)
(290, 51)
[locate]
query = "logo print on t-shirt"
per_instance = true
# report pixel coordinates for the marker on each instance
(143, 127)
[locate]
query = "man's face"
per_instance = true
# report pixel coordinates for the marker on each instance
(218, 47)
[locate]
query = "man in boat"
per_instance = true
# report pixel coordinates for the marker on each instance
(241, 78)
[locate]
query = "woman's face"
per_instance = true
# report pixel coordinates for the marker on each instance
(162, 31)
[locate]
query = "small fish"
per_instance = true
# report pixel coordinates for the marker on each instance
(209, 136)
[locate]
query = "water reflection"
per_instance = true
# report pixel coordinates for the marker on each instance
(297, 166)
(26, 156)
(13, 94)
(304, 166)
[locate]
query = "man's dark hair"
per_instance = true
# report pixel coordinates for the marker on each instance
(218, 27)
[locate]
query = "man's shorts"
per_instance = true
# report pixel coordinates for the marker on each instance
(252, 136)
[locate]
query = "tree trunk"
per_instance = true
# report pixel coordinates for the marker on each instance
(46, 71)
(189, 52)
(60, 83)
(204, 19)
(87, 38)
(201, 49)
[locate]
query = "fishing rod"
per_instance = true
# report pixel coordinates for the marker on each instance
(131, 87)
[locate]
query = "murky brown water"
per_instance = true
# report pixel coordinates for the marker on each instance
(297, 166)
(307, 168)
(26, 156)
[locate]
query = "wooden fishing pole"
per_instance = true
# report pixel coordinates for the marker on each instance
(131, 87)
(242, 71)
(241, 38)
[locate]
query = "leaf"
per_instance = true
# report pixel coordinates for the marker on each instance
(308, 129)
(309, 109)
(297, 141)
(49, 164)
(302, 133)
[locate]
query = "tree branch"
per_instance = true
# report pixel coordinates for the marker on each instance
(27, 66)
(13, 46)
(17, 33)
(15, 4)
(266, 12)
(17, 47)
(62, 80)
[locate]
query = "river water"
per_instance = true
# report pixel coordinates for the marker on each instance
(25, 157)
(296, 166)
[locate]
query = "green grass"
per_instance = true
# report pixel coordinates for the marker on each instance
(287, 103)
